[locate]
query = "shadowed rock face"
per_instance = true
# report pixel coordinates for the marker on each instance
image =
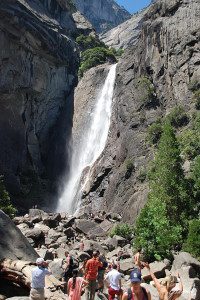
(13, 244)
(103, 14)
(167, 52)
(38, 64)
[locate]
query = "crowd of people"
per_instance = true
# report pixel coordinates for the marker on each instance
(96, 274)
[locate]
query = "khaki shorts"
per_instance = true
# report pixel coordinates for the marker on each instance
(37, 294)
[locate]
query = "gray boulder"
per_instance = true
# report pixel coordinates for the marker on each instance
(158, 267)
(56, 268)
(20, 248)
(185, 259)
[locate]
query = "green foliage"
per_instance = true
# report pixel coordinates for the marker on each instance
(147, 90)
(124, 230)
(93, 57)
(154, 132)
(178, 117)
(5, 203)
(189, 141)
(169, 206)
(116, 52)
(192, 244)
(154, 231)
(142, 175)
(89, 41)
(129, 165)
(196, 98)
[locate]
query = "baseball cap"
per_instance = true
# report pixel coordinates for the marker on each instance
(39, 261)
(136, 276)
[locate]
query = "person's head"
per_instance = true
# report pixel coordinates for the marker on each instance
(66, 253)
(136, 279)
(114, 266)
(98, 252)
(40, 262)
(139, 250)
(95, 254)
(169, 282)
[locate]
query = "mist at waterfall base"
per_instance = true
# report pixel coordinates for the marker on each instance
(92, 144)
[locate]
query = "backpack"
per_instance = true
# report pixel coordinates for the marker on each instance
(144, 291)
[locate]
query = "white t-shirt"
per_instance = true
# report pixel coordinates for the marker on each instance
(113, 277)
(38, 277)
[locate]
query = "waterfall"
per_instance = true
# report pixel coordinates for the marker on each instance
(92, 144)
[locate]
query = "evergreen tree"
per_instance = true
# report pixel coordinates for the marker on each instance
(161, 223)
(5, 203)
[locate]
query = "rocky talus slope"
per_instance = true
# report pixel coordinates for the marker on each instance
(167, 52)
(38, 67)
(103, 14)
(53, 234)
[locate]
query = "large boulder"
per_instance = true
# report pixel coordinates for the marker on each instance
(158, 267)
(13, 244)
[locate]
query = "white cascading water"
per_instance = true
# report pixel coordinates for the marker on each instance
(92, 145)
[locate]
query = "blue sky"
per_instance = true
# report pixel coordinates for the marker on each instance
(133, 5)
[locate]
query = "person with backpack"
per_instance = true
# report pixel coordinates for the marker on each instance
(136, 292)
(101, 271)
(69, 266)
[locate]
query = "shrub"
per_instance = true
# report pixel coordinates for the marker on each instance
(192, 244)
(124, 230)
(196, 98)
(129, 165)
(5, 203)
(189, 141)
(154, 132)
(147, 90)
(93, 57)
(87, 42)
(178, 117)
(118, 52)
(142, 175)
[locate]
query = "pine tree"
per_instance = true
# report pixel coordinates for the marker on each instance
(161, 224)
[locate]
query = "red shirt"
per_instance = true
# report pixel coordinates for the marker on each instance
(91, 267)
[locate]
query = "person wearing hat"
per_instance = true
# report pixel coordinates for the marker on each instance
(136, 292)
(38, 279)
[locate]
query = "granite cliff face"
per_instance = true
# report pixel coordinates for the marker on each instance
(125, 34)
(38, 66)
(167, 52)
(103, 14)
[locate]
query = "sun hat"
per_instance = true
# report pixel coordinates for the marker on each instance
(39, 261)
(135, 276)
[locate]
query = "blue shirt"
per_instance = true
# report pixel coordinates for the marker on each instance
(38, 277)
